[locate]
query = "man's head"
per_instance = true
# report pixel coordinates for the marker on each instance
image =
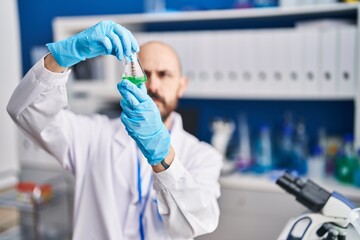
(165, 82)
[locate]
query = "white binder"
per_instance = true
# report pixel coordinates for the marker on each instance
(347, 54)
(245, 58)
(217, 55)
(328, 61)
(228, 59)
(310, 72)
(293, 55)
(263, 55)
(187, 54)
(202, 62)
(278, 61)
(184, 52)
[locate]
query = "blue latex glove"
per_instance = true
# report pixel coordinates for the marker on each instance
(104, 38)
(142, 121)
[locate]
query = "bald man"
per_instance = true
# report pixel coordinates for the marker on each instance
(143, 177)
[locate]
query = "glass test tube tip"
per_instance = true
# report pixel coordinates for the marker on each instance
(133, 70)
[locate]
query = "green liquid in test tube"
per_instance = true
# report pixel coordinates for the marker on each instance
(133, 71)
(135, 80)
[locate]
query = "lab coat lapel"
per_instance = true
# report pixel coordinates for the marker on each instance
(124, 154)
(176, 132)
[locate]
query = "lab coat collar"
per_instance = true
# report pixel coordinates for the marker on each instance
(176, 130)
(127, 151)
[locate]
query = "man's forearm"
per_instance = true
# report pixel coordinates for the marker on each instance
(51, 64)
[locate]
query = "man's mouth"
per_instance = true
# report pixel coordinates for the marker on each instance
(157, 98)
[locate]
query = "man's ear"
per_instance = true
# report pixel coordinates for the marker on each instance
(182, 86)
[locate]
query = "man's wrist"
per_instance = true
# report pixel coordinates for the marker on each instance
(167, 161)
(51, 64)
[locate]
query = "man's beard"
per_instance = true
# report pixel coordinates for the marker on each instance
(167, 108)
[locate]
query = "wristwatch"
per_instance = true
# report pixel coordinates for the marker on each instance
(164, 164)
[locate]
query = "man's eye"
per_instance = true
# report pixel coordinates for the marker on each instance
(163, 74)
(147, 73)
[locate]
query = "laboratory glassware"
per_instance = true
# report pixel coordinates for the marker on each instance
(133, 70)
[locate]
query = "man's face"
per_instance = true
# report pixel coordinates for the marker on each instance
(165, 84)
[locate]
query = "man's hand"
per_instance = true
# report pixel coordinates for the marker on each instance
(104, 38)
(142, 121)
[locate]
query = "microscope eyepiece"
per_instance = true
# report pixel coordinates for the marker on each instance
(290, 183)
(308, 193)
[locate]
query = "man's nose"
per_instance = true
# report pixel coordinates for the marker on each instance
(152, 82)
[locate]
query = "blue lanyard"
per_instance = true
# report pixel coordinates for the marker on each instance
(142, 205)
(142, 202)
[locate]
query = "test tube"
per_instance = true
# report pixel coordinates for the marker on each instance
(133, 70)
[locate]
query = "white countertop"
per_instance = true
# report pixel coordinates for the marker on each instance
(253, 182)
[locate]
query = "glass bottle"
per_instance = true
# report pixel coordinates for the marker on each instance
(300, 141)
(244, 160)
(284, 146)
(316, 164)
(263, 153)
(346, 162)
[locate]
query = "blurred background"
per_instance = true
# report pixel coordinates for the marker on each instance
(273, 85)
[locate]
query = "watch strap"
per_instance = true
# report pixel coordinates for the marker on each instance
(164, 164)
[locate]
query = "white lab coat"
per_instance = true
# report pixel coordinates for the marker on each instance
(103, 158)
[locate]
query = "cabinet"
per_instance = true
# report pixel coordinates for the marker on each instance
(169, 24)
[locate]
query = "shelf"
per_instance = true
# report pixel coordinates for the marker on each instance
(106, 92)
(268, 96)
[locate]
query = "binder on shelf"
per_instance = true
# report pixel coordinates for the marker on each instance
(214, 57)
(278, 61)
(181, 45)
(347, 55)
(202, 62)
(229, 60)
(187, 54)
(263, 55)
(291, 44)
(310, 71)
(245, 61)
(328, 61)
